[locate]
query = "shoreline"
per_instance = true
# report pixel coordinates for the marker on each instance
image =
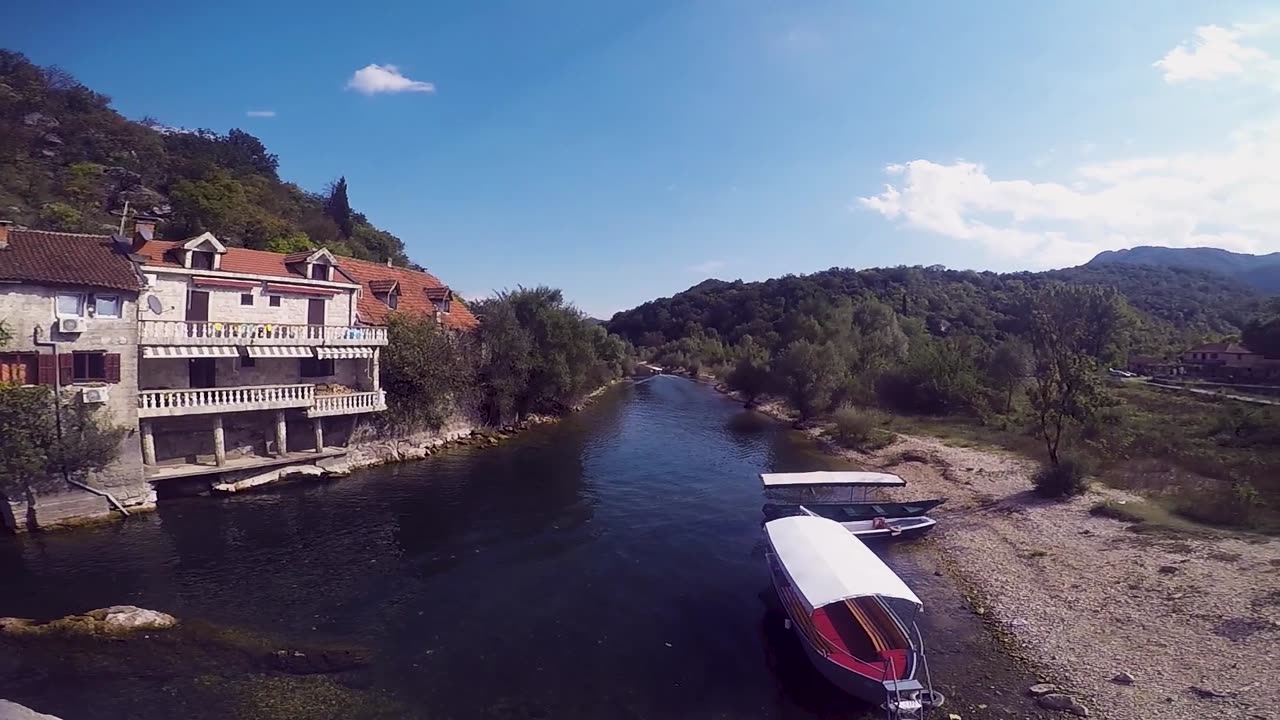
(1085, 601)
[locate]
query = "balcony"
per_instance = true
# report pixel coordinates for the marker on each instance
(348, 404)
(248, 398)
(183, 332)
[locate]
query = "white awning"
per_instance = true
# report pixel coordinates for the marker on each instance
(845, 479)
(272, 351)
(343, 353)
(188, 351)
(827, 564)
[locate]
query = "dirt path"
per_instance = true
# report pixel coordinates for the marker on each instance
(1194, 620)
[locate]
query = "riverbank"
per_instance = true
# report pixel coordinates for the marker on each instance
(1091, 601)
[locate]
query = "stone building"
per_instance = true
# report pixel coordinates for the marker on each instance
(69, 304)
(245, 355)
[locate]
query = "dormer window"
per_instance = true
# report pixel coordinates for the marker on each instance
(441, 298)
(393, 300)
(201, 260)
(203, 252)
(312, 264)
(319, 271)
(441, 305)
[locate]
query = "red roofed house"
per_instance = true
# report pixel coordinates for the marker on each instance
(69, 304)
(243, 355)
(1230, 361)
(390, 289)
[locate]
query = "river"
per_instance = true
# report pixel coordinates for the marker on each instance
(608, 566)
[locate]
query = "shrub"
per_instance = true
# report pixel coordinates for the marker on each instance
(857, 429)
(1231, 505)
(1068, 477)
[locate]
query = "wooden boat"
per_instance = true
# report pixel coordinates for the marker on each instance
(884, 528)
(848, 608)
(825, 486)
(847, 512)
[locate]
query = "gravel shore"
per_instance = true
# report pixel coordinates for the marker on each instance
(1195, 621)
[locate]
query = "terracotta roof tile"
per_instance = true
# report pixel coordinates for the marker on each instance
(56, 258)
(414, 286)
(1227, 347)
(382, 286)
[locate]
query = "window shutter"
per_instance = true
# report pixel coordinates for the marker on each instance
(46, 369)
(66, 368)
(111, 364)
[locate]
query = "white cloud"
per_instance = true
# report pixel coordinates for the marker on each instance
(1218, 52)
(1224, 197)
(706, 267)
(375, 79)
(261, 113)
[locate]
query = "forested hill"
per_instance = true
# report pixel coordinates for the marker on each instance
(1259, 271)
(68, 161)
(1175, 307)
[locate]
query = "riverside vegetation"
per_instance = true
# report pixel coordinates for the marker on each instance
(1012, 360)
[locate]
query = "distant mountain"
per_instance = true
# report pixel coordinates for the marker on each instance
(1258, 271)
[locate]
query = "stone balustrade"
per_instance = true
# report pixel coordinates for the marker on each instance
(203, 401)
(348, 404)
(184, 332)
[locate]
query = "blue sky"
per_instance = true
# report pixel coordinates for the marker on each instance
(625, 151)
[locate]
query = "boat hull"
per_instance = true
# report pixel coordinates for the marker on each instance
(905, 532)
(845, 512)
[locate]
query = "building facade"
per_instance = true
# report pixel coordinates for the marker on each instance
(69, 304)
(1230, 361)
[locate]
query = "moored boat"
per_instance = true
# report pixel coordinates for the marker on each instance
(848, 512)
(884, 528)
(826, 486)
(848, 608)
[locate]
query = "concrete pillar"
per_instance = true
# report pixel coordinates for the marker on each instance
(282, 439)
(318, 425)
(377, 369)
(219, 442)
(148, 443)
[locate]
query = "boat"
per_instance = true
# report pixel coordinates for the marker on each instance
(854, 616)
(826, 486)
(884, 528)
(846, 512)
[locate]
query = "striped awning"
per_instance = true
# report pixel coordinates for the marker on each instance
(343, 353)
(272, 351)
(188, 351)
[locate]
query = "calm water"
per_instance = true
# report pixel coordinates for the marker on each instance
(608, 566)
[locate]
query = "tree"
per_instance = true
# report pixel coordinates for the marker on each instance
(338, 208)
(1006, 368)
(1263, 336)
(810, 374)
(424, 372)
(296, 242)
(750, 374)
(1066, 389)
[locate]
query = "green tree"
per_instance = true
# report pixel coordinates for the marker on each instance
(338, 208)
(751, 374)
(61, 216)
(1007, 367)
(810, 374)
(425, 372)
(1066, 389)
(295, 242)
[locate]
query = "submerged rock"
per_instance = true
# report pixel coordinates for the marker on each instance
(1064, 703)
(14, 711)
(114, 620)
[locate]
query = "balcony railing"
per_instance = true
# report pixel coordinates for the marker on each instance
(184, 332)
(348, 404)
(203, 401)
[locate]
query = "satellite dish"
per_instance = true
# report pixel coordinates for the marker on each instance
(154, 304)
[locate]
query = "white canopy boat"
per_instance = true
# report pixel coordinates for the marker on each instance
(848, 608)
(826, 486)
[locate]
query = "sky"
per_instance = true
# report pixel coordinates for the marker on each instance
(624, 151)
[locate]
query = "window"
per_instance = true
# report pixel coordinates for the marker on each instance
(89, 366)
(315, 367)
(248, 361)
(319, 272)
(246, 298)
(70, 305)
(201, 260)
(393, 300)
(18, 369)
(106, 306)
(275, 301)
(441, 305)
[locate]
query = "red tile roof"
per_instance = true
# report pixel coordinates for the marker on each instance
(414, 287)
(382, 286)
(56, 258)
(235, 260)
(1228, 347)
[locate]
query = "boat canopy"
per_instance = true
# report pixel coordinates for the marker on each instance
(828, 477)
(827, 564)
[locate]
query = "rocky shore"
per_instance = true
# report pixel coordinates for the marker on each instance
(1121, 620)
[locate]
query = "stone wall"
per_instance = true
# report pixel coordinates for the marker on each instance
(26, 308)
(225, 306)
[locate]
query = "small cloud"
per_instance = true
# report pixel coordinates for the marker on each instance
(261, 113)
(706, 267)
(376, 79)
(1218, 52)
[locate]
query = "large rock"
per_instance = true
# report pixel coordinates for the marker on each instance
(14, 711)
(114, 620)
(1063, 703)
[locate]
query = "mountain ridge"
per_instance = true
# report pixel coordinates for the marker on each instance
(1261, 272)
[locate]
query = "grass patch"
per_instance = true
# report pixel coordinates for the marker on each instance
(1148, 514)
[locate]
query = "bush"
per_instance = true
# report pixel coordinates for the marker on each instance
(1069, 477)
(1230, 505)
(857, 430)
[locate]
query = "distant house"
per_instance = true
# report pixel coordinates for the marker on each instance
(69, 302)
(1229, 361)
(388, 289)
(1150, 365)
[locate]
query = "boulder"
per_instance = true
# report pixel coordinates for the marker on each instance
(1122, 678)
(1063, 703)
(14, 711)
(124, 618)
(115, 620)
(1042, 689)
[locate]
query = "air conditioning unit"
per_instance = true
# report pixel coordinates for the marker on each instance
(93, 395)
(71, 325)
